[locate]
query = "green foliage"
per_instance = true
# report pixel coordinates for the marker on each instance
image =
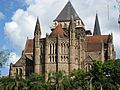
(105, 76)
(4, 56)
(79, 78)
(7, 83)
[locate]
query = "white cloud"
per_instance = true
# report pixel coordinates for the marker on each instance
(1, 15)
(21, 26)
(13, 58)
(23, 22)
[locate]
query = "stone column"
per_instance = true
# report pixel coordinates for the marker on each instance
(102, 53)
(72, 55)
(46, 57)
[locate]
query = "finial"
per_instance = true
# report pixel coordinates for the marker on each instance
(96, 13)
(27, 37)
(47, 35)
(37, 20)
(72, 18)
(111, 33)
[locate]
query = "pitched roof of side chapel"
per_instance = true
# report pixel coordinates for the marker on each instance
(97, 38)
(23, 61)
(58, 31)
(94, 43)
(29, 46)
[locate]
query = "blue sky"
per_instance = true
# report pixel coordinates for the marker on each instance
(8, 8)
(18, 17)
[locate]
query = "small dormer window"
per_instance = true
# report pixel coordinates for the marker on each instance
(78, 23)
(55, 23)
(65, 25)
(61, 24)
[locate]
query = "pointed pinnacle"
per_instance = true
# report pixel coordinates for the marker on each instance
(37, 22)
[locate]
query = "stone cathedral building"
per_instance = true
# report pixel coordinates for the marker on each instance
(69, 46)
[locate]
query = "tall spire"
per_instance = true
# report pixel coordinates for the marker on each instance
(96, 27)
(66, 13)
(37, 33)
(37, 28)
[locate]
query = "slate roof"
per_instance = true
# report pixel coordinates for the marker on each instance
(67, 12)
(58, 31)
(97, 27)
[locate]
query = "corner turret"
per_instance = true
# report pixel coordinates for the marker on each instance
(36, 48)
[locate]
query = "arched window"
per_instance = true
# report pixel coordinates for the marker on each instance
(61, 58)
(88, 67)
(67, 58)
(20, 70)
(50, 58)
(61, 48)
(64, 49)
(16, 71)
(64, 58)
(53, 58)
(53, 48)
(50, 48)
(67, 47)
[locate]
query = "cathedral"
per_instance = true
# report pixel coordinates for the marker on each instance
(69, 46)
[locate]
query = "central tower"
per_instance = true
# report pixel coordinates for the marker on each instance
(65, 16)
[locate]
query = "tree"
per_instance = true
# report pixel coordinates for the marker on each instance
(79, 78)
(112, 70)
(96, 73)
(102, 75)
(34, 82)
(7, 83)
(4, 57)
(55, 79)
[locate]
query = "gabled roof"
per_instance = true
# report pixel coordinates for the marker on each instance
(97, 27)
(29, 46)
(88, 59)
(23, 61)
(58, 31)
(94, 43)
(67, 12)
